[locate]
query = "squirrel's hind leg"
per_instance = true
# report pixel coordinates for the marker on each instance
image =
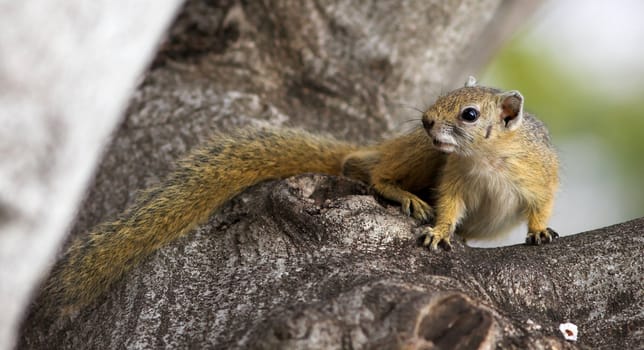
(358, 165)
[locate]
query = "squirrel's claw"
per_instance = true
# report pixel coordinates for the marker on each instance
(543, 236)
(432, 239)
(422, 211)
(417, 209)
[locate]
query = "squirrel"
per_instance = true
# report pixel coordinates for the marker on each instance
(488, 164)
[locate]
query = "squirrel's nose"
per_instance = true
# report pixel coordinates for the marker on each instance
(428, 124)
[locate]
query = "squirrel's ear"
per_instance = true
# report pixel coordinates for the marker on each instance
(511, 107)
(471, 81)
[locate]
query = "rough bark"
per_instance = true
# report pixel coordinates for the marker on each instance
(318, 262)
(315, 261)
(67, 69)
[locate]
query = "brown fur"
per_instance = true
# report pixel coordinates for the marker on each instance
(501, 170)
(207, 178)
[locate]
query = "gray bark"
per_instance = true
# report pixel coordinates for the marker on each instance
(317, 261)
(67, 69)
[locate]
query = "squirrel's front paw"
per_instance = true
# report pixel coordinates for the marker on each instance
(417, 208)
(543, 236)
(432, 238)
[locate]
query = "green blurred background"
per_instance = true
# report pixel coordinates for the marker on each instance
(580, 66)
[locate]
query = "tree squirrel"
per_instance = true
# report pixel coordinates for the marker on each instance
(489, 165)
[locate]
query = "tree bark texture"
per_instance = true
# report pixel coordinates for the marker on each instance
(317, 261)
(67, 69)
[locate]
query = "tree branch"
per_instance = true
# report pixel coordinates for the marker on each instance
(317, 261)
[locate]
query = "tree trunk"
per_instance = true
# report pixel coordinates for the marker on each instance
(317, 261)
(67, 69)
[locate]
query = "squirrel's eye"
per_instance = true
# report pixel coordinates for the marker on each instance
(470, 114)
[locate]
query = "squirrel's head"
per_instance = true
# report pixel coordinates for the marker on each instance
(467, 119)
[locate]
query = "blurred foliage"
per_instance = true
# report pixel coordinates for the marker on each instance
(572, 106)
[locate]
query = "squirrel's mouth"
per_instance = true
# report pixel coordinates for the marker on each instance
(446, 147)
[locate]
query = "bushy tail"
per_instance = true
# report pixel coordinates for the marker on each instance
(204, 180)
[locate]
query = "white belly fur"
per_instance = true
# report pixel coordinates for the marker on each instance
(492, 206)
